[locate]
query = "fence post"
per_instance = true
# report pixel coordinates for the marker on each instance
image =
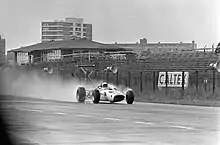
(205, 81)
(57, 69)
(129, 79)
(197, 80)
(183, 83)
(107, 76)
(94, 76)
(117, 78)
(141, 87)
(104, 75)
(97, 74)
(166, 81)
(213, 81)
(154, 81)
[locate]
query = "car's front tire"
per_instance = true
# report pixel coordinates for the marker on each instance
(96, 96)
(129, 97)
(81, 94)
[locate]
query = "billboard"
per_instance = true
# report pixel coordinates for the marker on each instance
(174, 79)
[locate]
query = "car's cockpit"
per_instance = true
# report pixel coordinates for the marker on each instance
(107, 86)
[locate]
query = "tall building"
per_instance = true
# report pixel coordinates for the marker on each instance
(70, 28)
(2, 50)
(87, 31)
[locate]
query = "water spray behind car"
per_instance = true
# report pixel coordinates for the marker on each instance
(39, 83)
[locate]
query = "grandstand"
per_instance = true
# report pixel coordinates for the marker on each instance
(188, 60)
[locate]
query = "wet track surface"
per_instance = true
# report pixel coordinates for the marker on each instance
(65, 123)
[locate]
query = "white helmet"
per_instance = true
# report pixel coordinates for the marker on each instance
(104, 85)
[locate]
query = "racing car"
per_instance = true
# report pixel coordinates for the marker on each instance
(105, 92)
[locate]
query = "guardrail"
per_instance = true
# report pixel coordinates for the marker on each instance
(202, 86)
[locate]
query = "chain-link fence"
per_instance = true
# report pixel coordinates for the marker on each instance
(202, 86)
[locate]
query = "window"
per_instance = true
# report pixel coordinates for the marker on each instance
(44, 24)
(45, 28)
(84, 34)
(56, 28)
(52, 23)
(84, 29)
(78, 34)
(77, 29)
(78, 25)
(52, 33)
(67, 24)
(52, 28)
(52, 37)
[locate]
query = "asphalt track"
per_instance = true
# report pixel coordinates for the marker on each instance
(66, 123)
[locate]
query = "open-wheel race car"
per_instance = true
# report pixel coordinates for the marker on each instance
(105, 92)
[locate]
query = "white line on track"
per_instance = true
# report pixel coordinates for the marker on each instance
(115, 119)
(83, 116)
(146, 123)
(182, 127)
(60, 113)
(35, 110)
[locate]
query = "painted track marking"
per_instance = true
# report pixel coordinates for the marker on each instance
(60, 113)
(115, 119)
(182, 127)
(146, 123)
(35, 110)
(83, 116)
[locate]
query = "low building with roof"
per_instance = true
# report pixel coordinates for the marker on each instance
(57, 50)
(47, 51)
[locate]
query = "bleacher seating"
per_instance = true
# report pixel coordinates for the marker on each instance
(176, 61)
(191, 60)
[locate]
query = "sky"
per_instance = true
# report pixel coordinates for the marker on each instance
(124, 21)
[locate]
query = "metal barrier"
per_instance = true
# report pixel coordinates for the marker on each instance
(201, 85)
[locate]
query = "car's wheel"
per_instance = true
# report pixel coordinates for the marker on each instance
(81, 94)
(96, 96)
(130, 97)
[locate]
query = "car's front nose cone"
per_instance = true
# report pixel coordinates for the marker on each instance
(118, 98)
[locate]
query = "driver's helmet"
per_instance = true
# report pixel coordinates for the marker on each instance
(104, 85)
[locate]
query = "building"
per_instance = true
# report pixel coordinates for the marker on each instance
(159, 47)
(70, 28)
(57, 50)
(56, 31)
(2, 50)
(170, 47)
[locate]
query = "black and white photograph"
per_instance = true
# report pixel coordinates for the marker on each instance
(102, 72)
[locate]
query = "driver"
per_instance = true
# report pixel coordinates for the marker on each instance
(105, 85)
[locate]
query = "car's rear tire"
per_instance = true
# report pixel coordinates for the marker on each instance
(81, 94)
(96, 96)
(129, 97)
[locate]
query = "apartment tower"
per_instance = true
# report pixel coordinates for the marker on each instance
(2, 50)
(70, 28)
